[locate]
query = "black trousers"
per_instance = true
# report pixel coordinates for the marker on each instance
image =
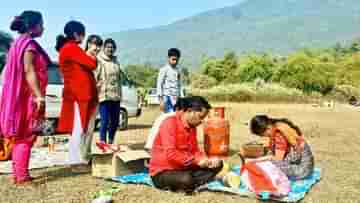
(184, 180)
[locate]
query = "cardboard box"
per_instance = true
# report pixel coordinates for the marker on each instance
(108, 165)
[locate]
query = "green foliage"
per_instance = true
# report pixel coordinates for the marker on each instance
(310, 70)
(345, 92)
(185, 75)
(255, 66)
(220, 69)
(349, 74)
(5, 41)
(144, 75)
(307, 73)
(211, 67)
(250, 92)
(284, 26)
(202, 81)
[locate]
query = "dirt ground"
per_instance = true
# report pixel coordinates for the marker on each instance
(333, 134)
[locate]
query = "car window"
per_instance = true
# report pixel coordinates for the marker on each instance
(152, 91)
(54, 75)
(124, 79)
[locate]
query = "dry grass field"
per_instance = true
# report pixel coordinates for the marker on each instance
(334, 134)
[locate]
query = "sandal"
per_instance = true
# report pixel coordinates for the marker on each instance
(118, 148)
(102, 146)
(25, 181)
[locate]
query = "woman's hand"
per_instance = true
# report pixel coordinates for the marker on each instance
(214, 162)
(40, 105)
(162, 104)
(263, 158)
(203, 162)
(248, 160)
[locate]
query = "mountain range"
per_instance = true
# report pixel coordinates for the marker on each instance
(278, 26)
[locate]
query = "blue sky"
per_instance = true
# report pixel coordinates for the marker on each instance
(106, 15)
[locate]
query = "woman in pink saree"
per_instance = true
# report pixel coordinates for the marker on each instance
(22, 106)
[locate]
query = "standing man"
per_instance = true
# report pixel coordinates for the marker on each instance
(169, 87)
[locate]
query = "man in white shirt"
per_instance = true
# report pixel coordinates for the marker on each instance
(181, 104)
(169, 85)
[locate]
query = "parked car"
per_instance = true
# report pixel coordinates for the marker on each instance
(151, 97)
(129, 106)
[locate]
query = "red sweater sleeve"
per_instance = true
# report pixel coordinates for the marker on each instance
(77, 55)
(179, 155)
(198, 154)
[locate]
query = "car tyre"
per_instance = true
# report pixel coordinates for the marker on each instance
(123, 119)
(49, 127)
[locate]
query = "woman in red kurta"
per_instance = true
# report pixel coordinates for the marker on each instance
(78, 110)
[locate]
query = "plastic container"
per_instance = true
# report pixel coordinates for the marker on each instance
(51, 144)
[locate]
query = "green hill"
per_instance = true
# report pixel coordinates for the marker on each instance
(254, 25)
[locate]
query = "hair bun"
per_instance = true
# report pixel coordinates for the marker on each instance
(60, 42)
(17, 24)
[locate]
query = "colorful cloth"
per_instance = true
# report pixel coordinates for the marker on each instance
(41, 158)
(265, 176)
(6, 146)
(17, 110)
(19, 119)
(297, 165)
(291, 135)
(299, 160)
(299, 188)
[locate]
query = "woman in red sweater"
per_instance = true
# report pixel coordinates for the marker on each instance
(80, 98)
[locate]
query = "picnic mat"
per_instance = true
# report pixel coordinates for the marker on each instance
(298, 188)
(40, 158)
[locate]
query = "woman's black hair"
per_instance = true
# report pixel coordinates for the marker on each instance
(26, 21)
(70, 29)
(260, 123)
(174, 52)
(110, 41)
(93, 39)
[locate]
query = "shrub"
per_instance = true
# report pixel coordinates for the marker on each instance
(307, 74)
(250, 92)
(345, 92)
(202, 81)
(255, 67)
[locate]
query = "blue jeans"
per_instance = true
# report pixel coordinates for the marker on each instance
(109, 119)
(169, 106)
